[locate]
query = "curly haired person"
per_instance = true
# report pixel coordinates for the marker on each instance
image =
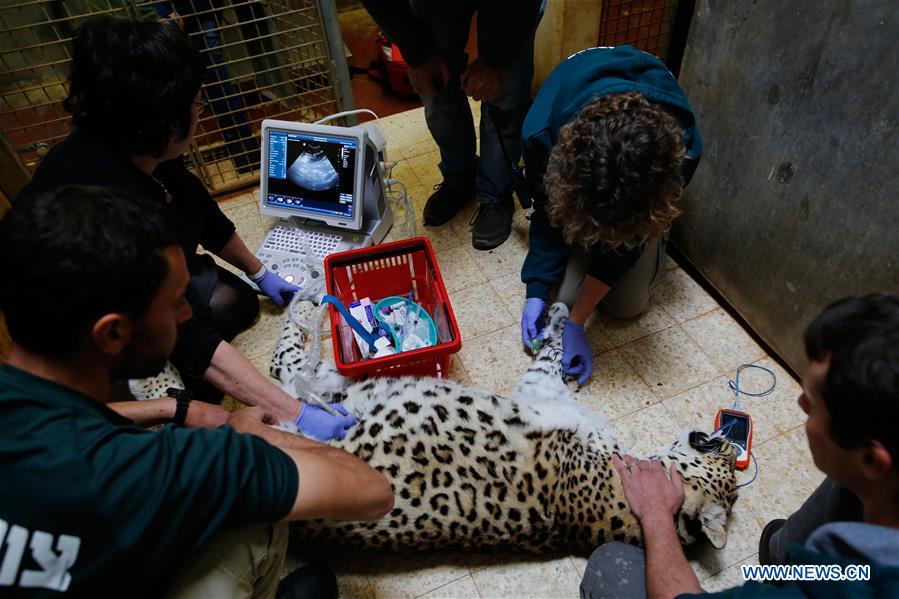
(609, 144)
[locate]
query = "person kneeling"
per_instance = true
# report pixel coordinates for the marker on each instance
(102, 507)
(851, 397)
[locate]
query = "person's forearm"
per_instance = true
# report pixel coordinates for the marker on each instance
(236, 253)
(334, 484)
(668, 573)
(146, 413)
(281, 439)
(591, 293)
(236, 376)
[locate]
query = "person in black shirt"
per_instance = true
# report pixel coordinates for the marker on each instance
(93, 504)
(134, 99)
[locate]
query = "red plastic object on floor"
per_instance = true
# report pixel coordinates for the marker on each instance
(391, 69)
(392, 269)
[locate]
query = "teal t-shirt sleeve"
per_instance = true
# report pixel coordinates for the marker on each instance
(547, 257)
(177, 487)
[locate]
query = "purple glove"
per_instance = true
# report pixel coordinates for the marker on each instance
(532, 320)
(577, 357)
(275, 287)
(317, 423)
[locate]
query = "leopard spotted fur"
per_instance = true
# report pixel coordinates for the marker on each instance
(472, 469)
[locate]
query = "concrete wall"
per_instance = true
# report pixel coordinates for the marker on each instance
(795, 202)
(567, 26)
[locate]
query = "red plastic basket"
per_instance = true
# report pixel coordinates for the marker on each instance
(380, 271)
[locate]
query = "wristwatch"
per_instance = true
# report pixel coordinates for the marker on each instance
(182, 399)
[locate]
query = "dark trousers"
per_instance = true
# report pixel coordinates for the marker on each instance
(449, 117)
(615, 571)
(829, 503)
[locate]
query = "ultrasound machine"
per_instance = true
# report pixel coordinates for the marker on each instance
(327, 186)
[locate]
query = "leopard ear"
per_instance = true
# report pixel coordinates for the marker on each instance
(713, 519)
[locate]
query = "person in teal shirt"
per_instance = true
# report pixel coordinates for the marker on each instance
(850, 394)
(608, 144)
(96, 505)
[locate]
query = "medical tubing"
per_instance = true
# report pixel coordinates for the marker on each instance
(337, 115)
(402, 198)
(369, 337)
(735, 384)
(306, 376)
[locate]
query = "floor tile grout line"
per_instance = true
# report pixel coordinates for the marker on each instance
(445, 584)
(475, 581)
(502, 328)
(635, 339)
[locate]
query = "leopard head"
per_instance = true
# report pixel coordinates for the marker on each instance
(707, 464)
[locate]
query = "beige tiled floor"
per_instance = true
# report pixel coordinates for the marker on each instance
(654, 376)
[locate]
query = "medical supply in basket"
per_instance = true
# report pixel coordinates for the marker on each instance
(411, 325)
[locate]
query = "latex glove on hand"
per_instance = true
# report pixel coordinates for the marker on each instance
(314, 421)
(532, 321)
(279, 290)
(577, 357)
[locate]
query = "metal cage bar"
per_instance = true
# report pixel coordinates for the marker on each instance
(644, 24)
(264, 59)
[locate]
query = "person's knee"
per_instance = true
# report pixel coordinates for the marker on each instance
(626, 307)
(234, 308)
(614, 570)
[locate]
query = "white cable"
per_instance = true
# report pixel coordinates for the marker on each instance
(346, 113)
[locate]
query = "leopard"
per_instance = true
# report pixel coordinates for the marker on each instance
(471, 469)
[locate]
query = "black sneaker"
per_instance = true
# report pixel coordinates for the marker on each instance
(770, 529)
(445, 203)
(492, 224)
(312, 581)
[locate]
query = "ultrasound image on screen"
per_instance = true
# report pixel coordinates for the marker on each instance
(308, 172)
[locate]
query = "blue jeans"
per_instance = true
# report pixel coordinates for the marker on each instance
(449, 116)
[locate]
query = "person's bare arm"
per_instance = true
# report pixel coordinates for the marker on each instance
(236, 253)
(591, 293)
(654, 499)
(146, 413)
(333, 483)
(153, 412)
(236, 376)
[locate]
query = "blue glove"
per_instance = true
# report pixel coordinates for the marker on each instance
(532, 320)
(577, 357)
(275, 287)
(317, 423)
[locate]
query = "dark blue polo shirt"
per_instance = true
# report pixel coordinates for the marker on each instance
(94, 506)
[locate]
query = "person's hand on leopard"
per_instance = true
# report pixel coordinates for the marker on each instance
(316, 422)
(652, 495)
(577, 356)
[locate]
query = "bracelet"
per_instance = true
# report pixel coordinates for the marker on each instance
(261, 273)
(182, 400)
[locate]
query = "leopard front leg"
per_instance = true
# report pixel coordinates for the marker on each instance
(543, 379)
